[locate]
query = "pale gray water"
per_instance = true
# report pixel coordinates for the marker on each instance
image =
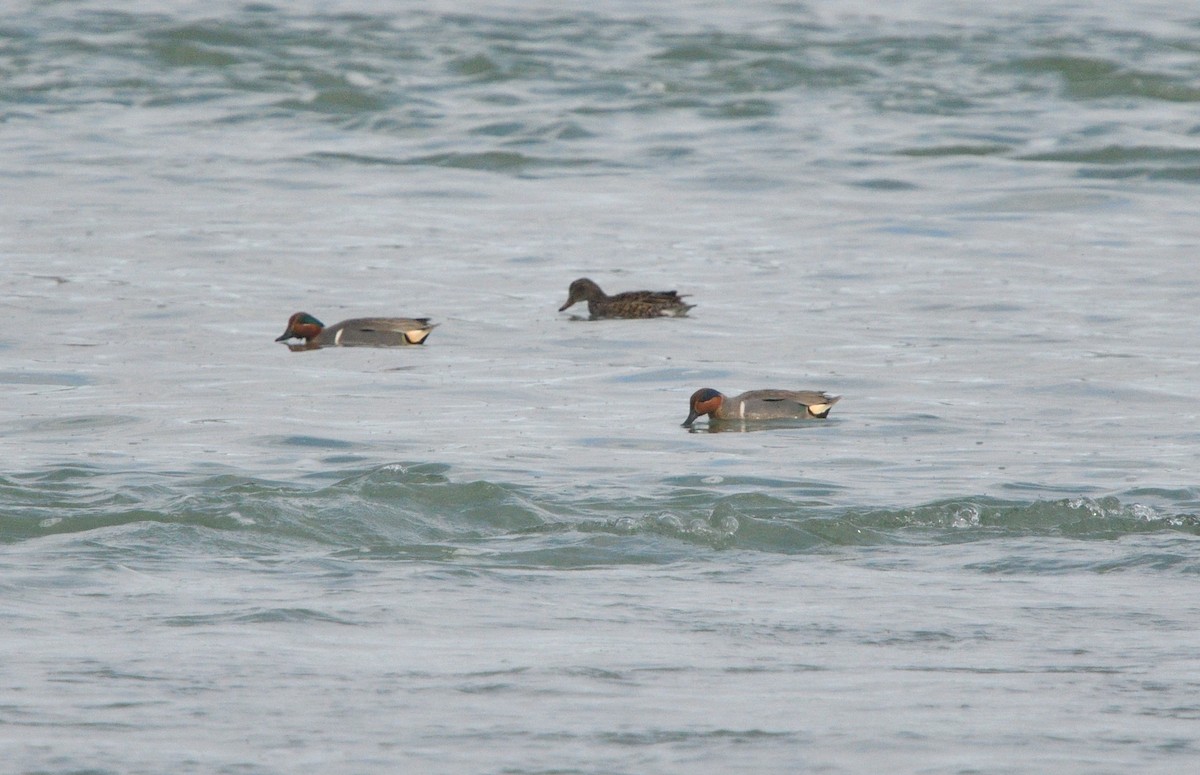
(500, 552)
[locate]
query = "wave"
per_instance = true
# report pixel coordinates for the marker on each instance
(528, 94)
(418, 511)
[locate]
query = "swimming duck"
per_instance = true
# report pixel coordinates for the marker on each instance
(631, 304)
(760, 405)
(360, 332)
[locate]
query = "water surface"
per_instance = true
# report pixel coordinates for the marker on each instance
(499, 552)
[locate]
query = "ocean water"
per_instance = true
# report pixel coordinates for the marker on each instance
(500, 552)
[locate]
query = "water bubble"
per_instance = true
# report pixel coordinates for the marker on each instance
(966, 516)
(1143, 512)
(728, 524)
(625, 525)
(669, 522)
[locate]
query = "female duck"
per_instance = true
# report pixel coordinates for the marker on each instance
(358, 332)
(630, 304)
(760, 405)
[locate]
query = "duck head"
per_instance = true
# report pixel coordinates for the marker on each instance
(301, 326)
(703, 401)
(580, 290)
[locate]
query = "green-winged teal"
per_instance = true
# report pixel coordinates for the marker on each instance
(359, 332)
(760, 405)
(631, 304)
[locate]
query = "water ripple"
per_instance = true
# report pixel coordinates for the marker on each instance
(418, 510)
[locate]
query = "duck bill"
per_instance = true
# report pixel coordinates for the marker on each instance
(563, 307)
(286, 336)
(691, 418)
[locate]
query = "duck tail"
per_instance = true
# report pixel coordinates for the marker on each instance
(821, 411)
(419, 335)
